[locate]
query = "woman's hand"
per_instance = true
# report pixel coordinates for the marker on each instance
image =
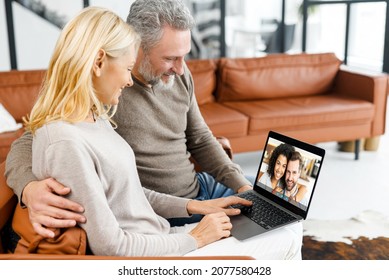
(212, 228)
(217, 205)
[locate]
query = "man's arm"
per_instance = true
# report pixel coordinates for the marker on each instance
(18, 168)
(169, 206)
(206, 150)
(46, 205)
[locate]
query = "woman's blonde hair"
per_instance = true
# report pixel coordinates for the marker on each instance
(67, 91)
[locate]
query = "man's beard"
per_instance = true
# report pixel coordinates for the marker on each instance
(146, 70)
(290, 187)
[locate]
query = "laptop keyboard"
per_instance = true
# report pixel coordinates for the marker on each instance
(262, 212)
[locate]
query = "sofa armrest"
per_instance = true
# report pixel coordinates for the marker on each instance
(93, 257)
(365, 86)
(8, 201)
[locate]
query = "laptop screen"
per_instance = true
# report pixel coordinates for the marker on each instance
(289, 170)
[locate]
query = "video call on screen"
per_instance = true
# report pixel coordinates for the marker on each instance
(304, 182)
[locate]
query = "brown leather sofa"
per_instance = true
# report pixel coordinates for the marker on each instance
(18, 91)
(307, 96)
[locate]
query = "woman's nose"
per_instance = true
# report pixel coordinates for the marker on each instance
(130, 82)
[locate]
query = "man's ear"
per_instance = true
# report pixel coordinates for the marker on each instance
(99, 62)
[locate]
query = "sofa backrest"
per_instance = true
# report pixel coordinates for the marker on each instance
(204, 77)
(18, 91)
(276, 76)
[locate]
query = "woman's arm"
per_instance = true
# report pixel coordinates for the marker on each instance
(166, 205)
(44, 199)
(169, 206)
(72, 164)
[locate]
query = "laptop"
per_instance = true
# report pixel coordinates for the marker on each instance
(285, 203)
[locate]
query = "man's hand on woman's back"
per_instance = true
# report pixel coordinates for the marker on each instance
(48, 208)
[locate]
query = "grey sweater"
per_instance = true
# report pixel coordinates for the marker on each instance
(99, 167)
(164, 128)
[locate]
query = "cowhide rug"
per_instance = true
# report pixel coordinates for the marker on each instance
(365, 237)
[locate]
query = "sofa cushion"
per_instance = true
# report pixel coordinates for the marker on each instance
(304, 112)
(71, 240)
(18, 91)
(224, 121)
(203, 72)
(276, 76)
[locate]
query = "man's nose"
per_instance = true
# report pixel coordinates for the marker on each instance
(178, 66)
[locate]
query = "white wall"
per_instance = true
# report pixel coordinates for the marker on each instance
(35, 38)
(4, 53)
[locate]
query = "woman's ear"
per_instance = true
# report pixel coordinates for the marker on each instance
(99, 62)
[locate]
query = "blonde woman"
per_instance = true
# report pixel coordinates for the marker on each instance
(75, 143)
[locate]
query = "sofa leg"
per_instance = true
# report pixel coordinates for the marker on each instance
(356, 148)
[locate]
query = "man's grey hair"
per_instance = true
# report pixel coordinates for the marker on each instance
(148, 17)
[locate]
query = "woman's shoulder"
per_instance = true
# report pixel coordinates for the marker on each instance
(58, 131)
